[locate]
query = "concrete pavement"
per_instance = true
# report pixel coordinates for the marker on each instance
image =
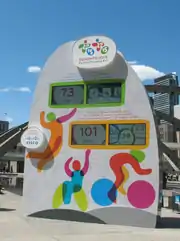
(15, 227)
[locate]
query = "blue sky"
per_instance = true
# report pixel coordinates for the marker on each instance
(145, 31)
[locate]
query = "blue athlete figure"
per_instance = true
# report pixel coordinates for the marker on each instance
(64, 192)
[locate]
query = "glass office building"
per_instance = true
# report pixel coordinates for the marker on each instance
(165, 102)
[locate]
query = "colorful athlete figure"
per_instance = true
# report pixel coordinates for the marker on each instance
(117, 163)
(65, 191)
(55, 142)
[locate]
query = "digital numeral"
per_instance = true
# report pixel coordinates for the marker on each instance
(66, 92)
(88, 131)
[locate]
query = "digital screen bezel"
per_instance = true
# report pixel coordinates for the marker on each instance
(67, 86)
(72, 135)
(85, 84)
(103, 84)
(129, 124)
(107, 146)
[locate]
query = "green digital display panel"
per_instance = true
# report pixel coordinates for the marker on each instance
(84, 94)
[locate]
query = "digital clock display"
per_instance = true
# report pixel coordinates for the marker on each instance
(84, 134)
(85, 94)
(67, 95)
(127, 134)
(103, 93)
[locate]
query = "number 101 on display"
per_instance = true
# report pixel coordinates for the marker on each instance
(88, 134)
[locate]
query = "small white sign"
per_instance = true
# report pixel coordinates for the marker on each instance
(93, 52)
(32, 138)
(165, 202)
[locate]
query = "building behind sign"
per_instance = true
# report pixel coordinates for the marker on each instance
(165, 102)
(4, 126)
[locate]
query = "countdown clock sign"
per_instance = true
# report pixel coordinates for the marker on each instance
(93, 52)
(33, 138)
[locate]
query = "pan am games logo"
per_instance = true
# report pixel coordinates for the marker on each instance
(90, 49)
(93, 52)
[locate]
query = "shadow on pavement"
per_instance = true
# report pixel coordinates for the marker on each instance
(6, 210)
(17, 191)
(168, 222)
(12, 184)
(67, 215)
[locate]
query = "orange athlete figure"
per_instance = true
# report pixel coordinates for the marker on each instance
(55, 142)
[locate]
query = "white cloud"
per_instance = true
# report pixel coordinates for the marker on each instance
(145, 72)
(33, 69)
(6, 117)
(20, 89)
(133, 62)
(9, 119)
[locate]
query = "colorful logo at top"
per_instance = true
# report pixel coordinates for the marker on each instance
(91, 48)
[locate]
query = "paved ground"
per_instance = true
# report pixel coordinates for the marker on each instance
(15, 227)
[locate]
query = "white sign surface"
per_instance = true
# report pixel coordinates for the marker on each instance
(93, 52)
